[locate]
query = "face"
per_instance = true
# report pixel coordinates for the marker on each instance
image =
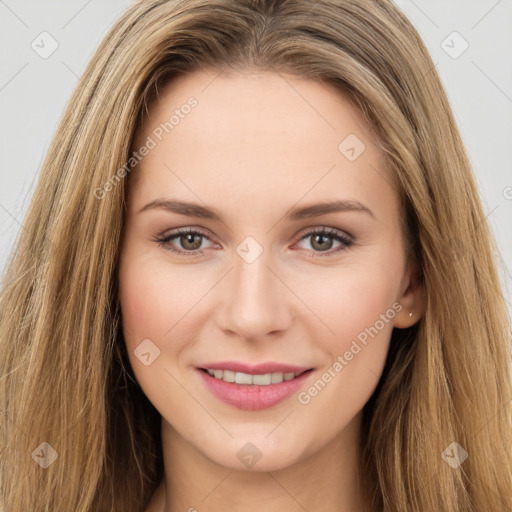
(229, 264)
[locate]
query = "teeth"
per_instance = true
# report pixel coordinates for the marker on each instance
(262, 380)
(228, 376)
(276, 378)
(247, 379)
(242, 378)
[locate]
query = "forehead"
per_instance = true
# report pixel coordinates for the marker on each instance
(258, 134)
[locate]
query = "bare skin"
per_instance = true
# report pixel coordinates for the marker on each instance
(257, 145)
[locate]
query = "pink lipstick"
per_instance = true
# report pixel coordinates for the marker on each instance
(253, 387)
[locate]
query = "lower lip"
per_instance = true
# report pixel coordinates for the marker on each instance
(253, 397)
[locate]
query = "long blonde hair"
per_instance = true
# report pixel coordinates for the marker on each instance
(65, 376)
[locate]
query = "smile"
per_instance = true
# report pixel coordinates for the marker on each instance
(256, 387)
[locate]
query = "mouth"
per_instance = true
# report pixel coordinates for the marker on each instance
(258, 387)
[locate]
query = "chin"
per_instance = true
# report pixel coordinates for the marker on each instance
(255, 454)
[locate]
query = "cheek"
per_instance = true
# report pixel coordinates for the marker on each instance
(156, 300)
(352, 299)
(358, 307)
(149, 311)
(145, 300)
(137, 299)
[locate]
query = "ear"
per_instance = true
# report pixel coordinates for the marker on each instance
(411, 297)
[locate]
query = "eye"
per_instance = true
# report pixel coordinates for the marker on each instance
(189, 239)
(322, 240)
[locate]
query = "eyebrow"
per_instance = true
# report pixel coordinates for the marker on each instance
(304, 212)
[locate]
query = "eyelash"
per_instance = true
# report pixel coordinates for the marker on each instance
(163, 241)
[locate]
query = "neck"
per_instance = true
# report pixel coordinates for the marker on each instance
(326, 481)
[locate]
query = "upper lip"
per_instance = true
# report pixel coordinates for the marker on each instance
(256, 369)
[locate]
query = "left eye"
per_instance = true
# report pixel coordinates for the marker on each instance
(318, 238)
(191, 240)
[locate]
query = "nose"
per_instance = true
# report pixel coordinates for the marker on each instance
(256, 302)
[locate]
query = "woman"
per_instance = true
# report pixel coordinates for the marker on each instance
(258, 368)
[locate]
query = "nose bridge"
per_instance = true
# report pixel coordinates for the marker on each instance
(256, 303)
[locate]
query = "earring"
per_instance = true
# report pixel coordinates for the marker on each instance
(410, 314)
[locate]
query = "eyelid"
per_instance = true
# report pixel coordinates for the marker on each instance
(324, 229)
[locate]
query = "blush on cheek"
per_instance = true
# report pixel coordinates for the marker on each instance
(361, 326)
(351, 311)
(135, 302)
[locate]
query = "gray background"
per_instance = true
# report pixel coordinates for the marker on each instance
(34, 91)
